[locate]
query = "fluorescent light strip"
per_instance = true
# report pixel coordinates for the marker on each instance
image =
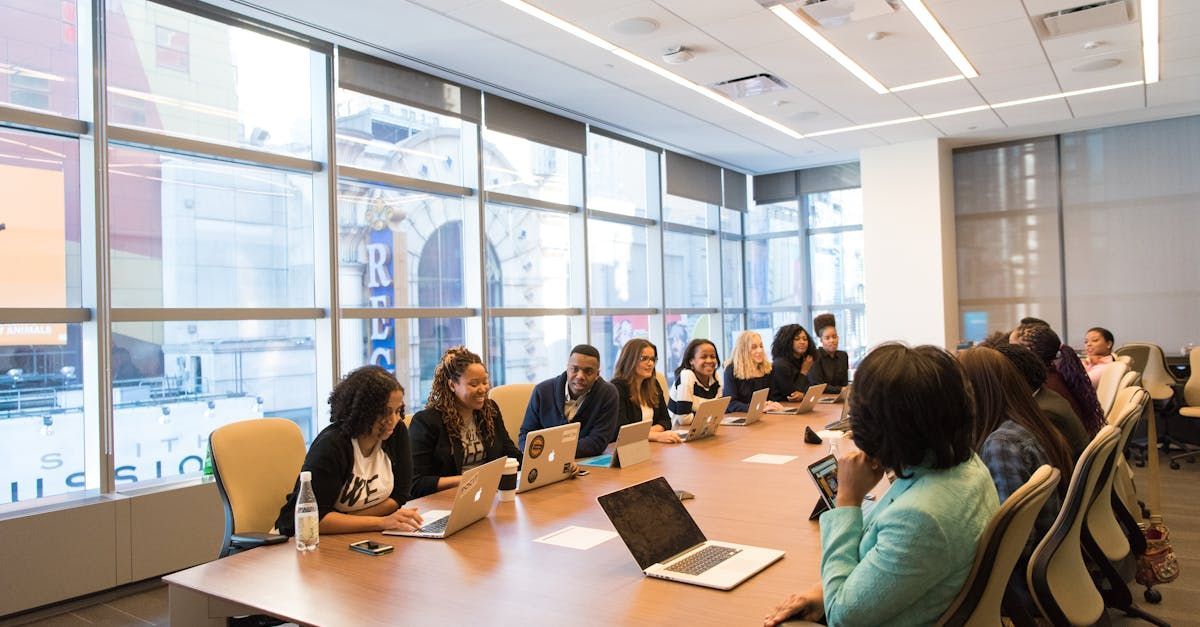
(800, 25)
(929, 83)
(935, 30)
(1150, 58)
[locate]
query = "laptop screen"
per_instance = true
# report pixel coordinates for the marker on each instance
(651, 521)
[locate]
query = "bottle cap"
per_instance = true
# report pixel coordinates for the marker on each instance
(305, 475)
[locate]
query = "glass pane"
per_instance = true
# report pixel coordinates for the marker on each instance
(177, 381)
(610, 333)
(186, 75)
(617, 254)
(685, 269)
(838, 208)
(516, 166)
(851, 328)
(731, 273)
(39, 208)
(778, 217)
(687, 211)
(39, 56)
(390, 137)
(528, 257)
(734, 324)
(681, 328)
(43, 446)
(837, 267)
(190, 232)
(731, 221)
(409, 348)
(399, 248)
(773, 271)
(766, 323)
(621, 178)
(529, 350)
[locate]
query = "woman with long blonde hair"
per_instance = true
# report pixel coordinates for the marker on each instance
(747, 372)
(460, 427)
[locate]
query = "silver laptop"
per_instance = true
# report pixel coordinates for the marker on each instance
(758, 400)
(549, 455)
(843, 421)
(840, 397)
(472, 502)
(667, 543)
(810, 399)
(706, 420)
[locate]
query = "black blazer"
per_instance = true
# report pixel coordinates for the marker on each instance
(786, 377)
(832, 370)
(630, 412)
(433, 457)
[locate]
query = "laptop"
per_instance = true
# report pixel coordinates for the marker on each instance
(472, 502)
(843, 421)
(632, 447)
(758, 400)
(839, 398)
(549, 454)
(810, 399)
(706, 420)
(666, 542)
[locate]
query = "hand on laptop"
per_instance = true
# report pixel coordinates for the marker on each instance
(667, 437)
(809, 605)
(796, 396)
(404, 519)
(772, 406)
(857, 475)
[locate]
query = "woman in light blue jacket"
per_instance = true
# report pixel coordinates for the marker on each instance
(904, 561)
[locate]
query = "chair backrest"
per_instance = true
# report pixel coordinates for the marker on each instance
(1156, 378)
(1058, 577)
(1137, 354)
(513, 400)
(256, 463)
(1130, 379)
(1191, 390)
(1000, 547)
(1101, 519)
(1127, 359)
(1110, 382)
(662, 383)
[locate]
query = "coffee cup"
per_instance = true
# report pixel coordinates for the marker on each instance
(508, 481)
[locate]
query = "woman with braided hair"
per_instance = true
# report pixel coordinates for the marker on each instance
(460, 427)
(1064, 372)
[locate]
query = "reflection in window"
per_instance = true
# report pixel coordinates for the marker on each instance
(837, 267)
(685, 269)
(529, 350)
(773, 268)
(842, 207)
(610, 333)
(529, 257)
(780, 217)
(680, 210)
(681, 329)
(617, 255)
(39, 56)
(519, 167)
(621, 178)
(411, 349)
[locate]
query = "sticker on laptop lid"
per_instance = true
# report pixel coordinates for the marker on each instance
(536, 446)
(570, 435)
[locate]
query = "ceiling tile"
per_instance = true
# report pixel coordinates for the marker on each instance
(1035, 80)
(1129, 69)
(1003, 59)
(856, 140)
(1182, 25)
(900, 133)
(1107, 102)
(1171, 8)
(944, 97)
(1181, 50)
(1035, 113)
(750, 31)
(999, 36)
(1125, 37)
(707, 11)
(1180, 68)
(967, 122)
(1174, 91)
(962, 14)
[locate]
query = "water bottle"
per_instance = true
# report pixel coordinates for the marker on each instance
(833, 446)
(308, 521)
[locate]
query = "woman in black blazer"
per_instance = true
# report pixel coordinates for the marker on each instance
(639, 396)
(460, 427)
(832, 366)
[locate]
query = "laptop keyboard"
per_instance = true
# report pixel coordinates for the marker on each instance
(702, 560)
(437, 526)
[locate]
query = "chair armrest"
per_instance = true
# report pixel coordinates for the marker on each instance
(252, 539)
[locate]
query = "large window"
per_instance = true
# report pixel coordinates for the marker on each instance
(39, 56)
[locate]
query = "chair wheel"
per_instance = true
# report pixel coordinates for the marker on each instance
(1152, 595)
(1174, 465)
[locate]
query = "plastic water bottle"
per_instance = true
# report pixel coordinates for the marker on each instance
(308, 521)
(833, 447)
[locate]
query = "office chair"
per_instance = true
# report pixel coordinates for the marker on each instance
(1057, 574)
(1149, 360)
(1191, 400)
(1110, 382)
(255, 463)
(513, 400)
(979, 602)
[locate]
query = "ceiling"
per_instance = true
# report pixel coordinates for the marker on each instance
(490, 44)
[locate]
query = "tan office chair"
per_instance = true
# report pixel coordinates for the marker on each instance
(513, 400)
(1110, 382)
(662, 383)
(1058, 577)
(256, 464)
(1191, 399)
(979, 602)
(1156, 377)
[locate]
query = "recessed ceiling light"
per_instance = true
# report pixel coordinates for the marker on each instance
(929, 83)
(634, 26)
(876, 35)
(935, 30)
(1095, 65)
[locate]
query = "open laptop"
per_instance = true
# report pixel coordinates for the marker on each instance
(632, 447)
(758, 400)
(549, 454)
(843, 421)
(667, 543)
(810, 399)
(840, 397)
(706, 420)
(472, 502)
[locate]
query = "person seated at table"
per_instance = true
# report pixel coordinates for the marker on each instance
(831, 366)
(576, 395)
(747, 372)
(1097, 349)
(695, 380)
(1053, 406)
(639, 395)
(905, 560)
(792, 356)
(361, 464)
(1064, 373)
(460, 427)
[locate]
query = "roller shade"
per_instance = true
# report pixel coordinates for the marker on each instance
(828, 178)
(382, 79)
(774, 187)
(693, 178)
(735, 190)
(514, 118)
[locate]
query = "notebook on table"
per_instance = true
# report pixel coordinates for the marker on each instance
(810, 399)
(706, 420)
(549, 455)
(472, 502)
(758, 400)
(667, 543)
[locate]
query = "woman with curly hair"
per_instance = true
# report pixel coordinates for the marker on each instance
(460, 427)
(1064, 372)
(361, 463)
(792, 356)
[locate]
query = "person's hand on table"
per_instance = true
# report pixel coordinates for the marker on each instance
(808, 605)
(857, 475)
(666, 437)
(796, 396)
(772, 406)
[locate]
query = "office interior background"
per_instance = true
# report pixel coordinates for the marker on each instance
(213, 212)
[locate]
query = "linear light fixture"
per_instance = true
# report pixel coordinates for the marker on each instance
(802, 26)
(605, 45)
(929, 83)
(1150, 58)
(935, 30)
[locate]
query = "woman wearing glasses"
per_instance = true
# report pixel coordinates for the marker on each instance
(638, 394)
(361, 463)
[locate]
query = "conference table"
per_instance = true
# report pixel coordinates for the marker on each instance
(494, 572)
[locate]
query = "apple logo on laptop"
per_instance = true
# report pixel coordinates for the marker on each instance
(477, 494)
(551, 458)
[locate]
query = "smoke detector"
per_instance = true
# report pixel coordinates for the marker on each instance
(677, 54)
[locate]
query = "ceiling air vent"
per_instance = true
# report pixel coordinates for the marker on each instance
(1084, 18)
(747, 86)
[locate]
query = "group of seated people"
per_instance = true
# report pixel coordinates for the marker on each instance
(959, 433)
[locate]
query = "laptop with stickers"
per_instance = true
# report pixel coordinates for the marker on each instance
(549, 455)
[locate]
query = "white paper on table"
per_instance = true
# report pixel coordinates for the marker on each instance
(581, 538)
(764, 458)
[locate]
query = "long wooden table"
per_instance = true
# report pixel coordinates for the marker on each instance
(493, 572)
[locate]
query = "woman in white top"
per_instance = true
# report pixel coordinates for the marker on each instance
(696, 380)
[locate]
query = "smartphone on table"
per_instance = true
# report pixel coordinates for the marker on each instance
(370, 547)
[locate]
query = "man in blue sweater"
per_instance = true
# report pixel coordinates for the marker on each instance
(576, 395)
